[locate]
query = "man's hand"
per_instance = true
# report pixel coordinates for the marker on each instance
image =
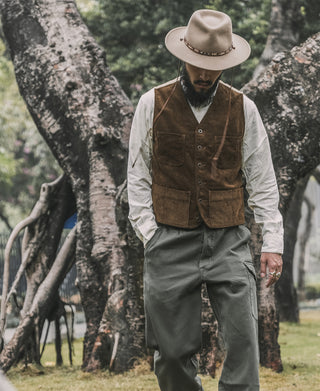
(272, 263)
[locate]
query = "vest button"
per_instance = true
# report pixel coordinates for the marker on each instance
(199, 165)
(200, 131)
(199, 147)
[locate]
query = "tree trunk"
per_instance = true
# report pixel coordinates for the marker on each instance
(283, 32)
(288, 98)
(285, 291)
(316, 174)
(303, 244)
(85, 118)
(44, 271)
(283, 35)
(39, 306)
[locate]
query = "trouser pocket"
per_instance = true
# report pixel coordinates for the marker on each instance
(153, 240)
(253, 288)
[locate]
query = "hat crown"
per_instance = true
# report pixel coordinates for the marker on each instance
(208, 42)
(209, 32)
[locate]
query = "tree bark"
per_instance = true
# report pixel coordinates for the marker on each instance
(44, 271)
(284, 34)
(290, 86)
(287, 95)
(303, 244)
(41, 302)
(316, 174)
(85, 117)
(304, 239)
(286, 293)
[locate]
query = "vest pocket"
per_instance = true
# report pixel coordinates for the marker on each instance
(226, 207)
(231, 152)
(171, 206)
(170, 149)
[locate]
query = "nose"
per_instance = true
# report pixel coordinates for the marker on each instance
(203, 74)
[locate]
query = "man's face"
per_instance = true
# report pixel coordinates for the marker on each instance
(201, 79)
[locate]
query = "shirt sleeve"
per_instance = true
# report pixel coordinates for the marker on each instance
(139, 178)
(261, 182)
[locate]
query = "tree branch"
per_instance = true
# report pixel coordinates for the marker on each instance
(39, 209)
(316, 174)
(42, 300)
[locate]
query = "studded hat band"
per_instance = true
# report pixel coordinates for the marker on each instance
(212, 54)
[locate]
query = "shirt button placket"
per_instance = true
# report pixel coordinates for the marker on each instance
(199, 163)
(199, 147)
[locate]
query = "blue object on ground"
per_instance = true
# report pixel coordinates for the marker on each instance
(71, 221)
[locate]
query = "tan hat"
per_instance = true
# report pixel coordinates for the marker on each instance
(208, 42)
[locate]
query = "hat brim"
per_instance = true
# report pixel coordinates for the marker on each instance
(174, 42)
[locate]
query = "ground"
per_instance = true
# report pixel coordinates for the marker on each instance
(300, 349)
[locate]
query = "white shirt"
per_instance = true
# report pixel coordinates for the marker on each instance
(257, 168)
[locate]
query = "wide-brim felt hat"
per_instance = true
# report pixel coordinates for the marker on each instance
(208, 42)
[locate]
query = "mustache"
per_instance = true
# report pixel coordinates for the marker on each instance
(203, 82)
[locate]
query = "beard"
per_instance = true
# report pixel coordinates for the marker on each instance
(197, 99)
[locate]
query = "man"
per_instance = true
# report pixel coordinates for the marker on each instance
(192, 142)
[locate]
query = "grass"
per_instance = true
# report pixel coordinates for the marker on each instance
(300, 350)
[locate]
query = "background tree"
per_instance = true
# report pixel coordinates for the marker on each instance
(25, 160)
(287, 22)
(84, 117)
(305, 241)
(303, 244)
(44, 268)
(288, 85)
(284, 30)
(286, 291)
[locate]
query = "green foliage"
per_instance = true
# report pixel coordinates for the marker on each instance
(312, 292)
(25, 160)
(7, 171)
(250, 20)
(310, 10)
(133, 36)
(133, 33)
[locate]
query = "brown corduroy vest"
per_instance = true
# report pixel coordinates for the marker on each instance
(186, 188)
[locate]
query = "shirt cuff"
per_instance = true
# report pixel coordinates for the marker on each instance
(272, 243)
(146, 230)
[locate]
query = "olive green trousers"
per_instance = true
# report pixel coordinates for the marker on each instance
(177, 262)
